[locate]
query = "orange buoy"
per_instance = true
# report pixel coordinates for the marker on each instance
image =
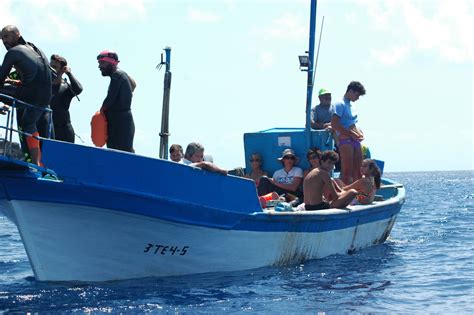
(99, 129)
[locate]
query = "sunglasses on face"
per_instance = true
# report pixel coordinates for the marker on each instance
(288, 157)
(313, 157)
(254, 160)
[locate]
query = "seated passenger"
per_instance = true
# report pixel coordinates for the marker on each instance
(285, 180)
(194, 157)
(313, 157)
(319, 180)
(368, 184)
(256, 172)
(176, 153)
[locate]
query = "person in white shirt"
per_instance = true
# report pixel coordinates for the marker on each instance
(285, 180)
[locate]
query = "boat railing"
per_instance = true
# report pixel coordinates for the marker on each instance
(10, 117)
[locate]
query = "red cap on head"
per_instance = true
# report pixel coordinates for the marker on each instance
(108, 56)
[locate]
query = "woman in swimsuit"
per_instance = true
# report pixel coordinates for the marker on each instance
(256, 172)
(368, 184)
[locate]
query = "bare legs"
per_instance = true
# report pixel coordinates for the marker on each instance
(351, 160)
(346, 154)
(357, 158)
(345, 198)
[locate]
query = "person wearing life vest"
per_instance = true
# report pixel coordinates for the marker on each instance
(35, 89)
(117, 104)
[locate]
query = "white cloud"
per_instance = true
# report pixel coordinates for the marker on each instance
(266, 60)
(286, 27)
(64, 29)
(38, 18)
(197, 15)
(444, 27)
(391, 55)
(6, 15)
(93, 10)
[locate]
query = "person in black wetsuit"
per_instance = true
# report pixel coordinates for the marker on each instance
(35, 75)
(63, 93)
(116, 106)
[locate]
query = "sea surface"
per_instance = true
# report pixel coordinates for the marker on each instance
(426, 266)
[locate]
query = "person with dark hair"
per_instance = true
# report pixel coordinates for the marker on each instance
(319, 180)
(35, 75)
(117, 104)
(286, 180)
(194, 156)
(313, 155)
(349, 136)
(368, 184)
(176, 153)
(63, 93)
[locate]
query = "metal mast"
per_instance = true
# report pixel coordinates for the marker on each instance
(164, 134)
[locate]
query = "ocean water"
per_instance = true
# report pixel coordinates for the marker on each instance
(426, 266)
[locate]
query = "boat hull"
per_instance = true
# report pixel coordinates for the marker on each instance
(98, 220)
(82, 243)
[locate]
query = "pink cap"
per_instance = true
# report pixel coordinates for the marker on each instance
(108, 56)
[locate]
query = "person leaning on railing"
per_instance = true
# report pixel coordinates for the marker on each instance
(35, 89)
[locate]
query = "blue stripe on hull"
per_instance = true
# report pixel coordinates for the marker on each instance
(178, 211)
(317, 222)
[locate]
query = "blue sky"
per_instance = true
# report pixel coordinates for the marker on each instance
(235, 69)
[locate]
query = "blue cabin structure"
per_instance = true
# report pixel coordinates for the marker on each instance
(270, 144)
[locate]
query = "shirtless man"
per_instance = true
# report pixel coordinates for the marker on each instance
(194, 156)
(319, 180)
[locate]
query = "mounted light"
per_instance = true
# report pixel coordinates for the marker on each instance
(304, 62)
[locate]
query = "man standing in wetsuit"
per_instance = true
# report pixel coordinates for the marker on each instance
(35, 75)
(116, 106)
(63, 93)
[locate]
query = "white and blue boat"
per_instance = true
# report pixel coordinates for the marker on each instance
(97, 214)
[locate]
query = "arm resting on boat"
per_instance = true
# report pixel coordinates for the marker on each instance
(208, 166)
